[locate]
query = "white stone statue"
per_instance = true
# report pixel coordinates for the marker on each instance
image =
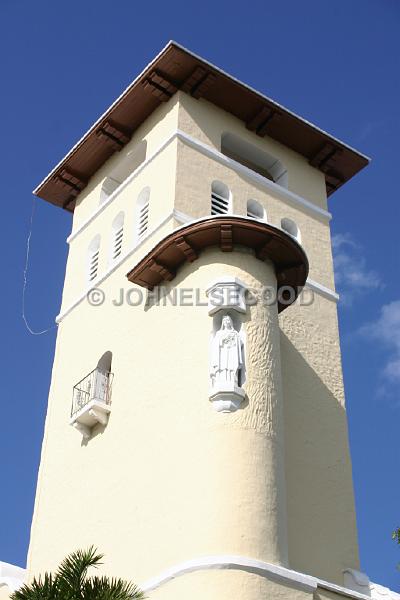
(226, 356)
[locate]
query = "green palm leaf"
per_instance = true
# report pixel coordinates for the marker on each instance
(103, 588)
(40, 589)
(72, 572)
(71, 582)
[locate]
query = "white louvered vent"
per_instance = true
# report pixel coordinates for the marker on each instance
(94, 264)
(219, 205)
(117, 242)
(143, 219)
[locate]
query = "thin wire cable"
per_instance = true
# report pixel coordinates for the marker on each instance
(28, 247)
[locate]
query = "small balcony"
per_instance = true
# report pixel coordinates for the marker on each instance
(91, 401)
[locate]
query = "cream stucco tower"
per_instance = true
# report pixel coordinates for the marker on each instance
(206, 452)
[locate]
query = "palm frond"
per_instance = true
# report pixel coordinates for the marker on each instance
(105, 588)
(40, 589)
(72, 572)
(70, 582)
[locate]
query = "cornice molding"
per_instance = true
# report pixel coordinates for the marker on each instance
(322, 290)
(121, 187)
(110, 270)
(270, 186)
(276, 573)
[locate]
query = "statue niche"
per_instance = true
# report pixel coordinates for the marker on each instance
(227, 367)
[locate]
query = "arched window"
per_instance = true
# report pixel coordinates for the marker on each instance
(220, 198)
(142, 218)
(124, 167)
(255, 210)
(93, 259)
(291, 228)
(117, 236)
(254, 158)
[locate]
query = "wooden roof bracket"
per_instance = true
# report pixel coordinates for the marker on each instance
(326, 156)
(325, 160)
(199, 82)
(71, 180)
(160, 86)
(113, 135)
(260, 121)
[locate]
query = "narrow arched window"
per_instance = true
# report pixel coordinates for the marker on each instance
(220, 198)
(143, 208)
(93, 259)
(255, 210)
(291, 228)
(117, 236)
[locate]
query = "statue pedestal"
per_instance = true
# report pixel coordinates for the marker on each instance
(227, 398)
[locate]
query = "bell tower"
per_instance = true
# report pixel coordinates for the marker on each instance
(196, 430)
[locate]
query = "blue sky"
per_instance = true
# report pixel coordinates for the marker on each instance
(334, 63)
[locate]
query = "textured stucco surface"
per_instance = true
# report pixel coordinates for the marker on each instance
(318, 468)
(167, 466)
(207, 123)
(168, 478)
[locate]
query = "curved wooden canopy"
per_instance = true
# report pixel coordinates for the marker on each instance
(186, 243)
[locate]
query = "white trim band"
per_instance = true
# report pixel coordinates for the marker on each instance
(116, 264)
(239, 563)
(271, 186)
(206, 150)
(184, 219)
(121, 187)
(272, 572)
(322, 290)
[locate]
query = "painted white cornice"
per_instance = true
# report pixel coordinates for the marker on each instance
(120, 188)
(115, 265)
(206, 150)
(322, 290)
(269, 185)
(270, 571)
(240, 563)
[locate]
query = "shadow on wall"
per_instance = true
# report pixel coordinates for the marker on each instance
(321, 519)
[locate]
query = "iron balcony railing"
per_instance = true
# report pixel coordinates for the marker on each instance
(95, 386)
